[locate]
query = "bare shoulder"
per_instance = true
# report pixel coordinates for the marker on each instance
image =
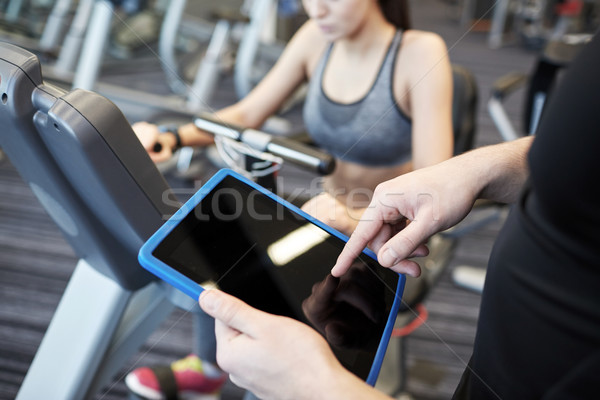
(309, 31)
(308, 42)
(308, 39)
(423, 45)
(422, 54)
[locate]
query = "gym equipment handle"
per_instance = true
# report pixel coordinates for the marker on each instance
(289, 150)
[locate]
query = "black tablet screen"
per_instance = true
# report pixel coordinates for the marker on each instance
(256, 249)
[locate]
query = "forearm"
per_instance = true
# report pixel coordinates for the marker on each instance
(234, 114)
(496, 172)
(348, 387)
(265, 99)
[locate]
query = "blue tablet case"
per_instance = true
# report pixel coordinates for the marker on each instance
(193, 289)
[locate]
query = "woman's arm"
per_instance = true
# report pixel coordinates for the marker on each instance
(253, 110)
(423, 61)
(290, 70)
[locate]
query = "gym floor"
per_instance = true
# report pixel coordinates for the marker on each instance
(36, 263)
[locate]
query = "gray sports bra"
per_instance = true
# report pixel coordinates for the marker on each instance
(372, 131)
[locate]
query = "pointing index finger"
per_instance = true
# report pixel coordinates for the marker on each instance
(368, 227)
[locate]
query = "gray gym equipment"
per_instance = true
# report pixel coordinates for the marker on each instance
(83, 162)
(188, 99)
(556, 55)
(529, 20)
(94, 43)
(208, 72)
(56, 25)
(64, 67)
(244, 74)
(506, 15)
(28, 25)
(14, 7)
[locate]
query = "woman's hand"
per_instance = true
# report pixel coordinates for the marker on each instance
(158, 146)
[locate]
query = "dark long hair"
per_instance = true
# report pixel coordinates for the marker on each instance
(396, 12)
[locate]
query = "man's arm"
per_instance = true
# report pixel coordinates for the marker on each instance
(501, 169)
(407, 210)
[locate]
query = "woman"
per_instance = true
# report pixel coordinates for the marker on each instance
(379, 100)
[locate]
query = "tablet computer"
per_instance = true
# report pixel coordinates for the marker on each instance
(250, 243)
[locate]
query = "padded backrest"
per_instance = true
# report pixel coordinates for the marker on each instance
(82, 160)
(464, 108)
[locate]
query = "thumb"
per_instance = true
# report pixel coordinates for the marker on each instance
(229, 310)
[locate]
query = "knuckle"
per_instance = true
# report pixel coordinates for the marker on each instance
(229, 312)
(406, 242)
(379, 190)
